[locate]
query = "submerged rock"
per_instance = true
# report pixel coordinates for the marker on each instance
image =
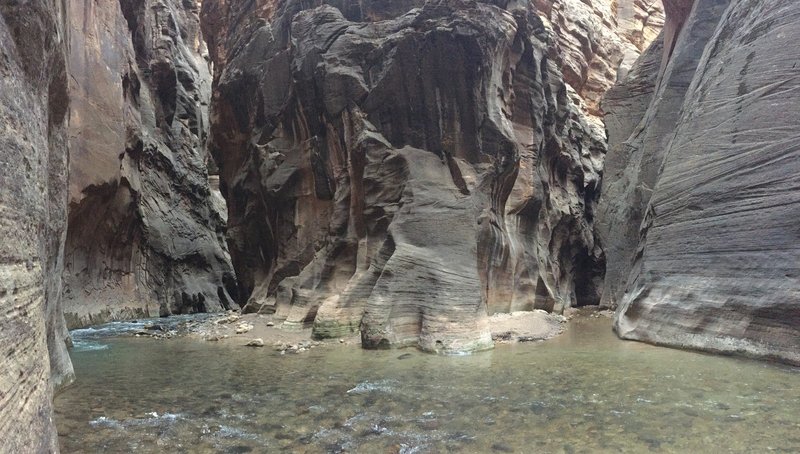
(258, 342)
(709, 181)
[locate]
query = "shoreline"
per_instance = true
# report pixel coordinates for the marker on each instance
(259, 330)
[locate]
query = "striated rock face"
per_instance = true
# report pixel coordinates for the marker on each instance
(640, 125)
(402, 170)
(145, 237)
(712, 175)
(599, 40)
(33, 196)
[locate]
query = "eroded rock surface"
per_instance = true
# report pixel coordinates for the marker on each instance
(598, 41)
(642, 113)
(146, 236)
(712, 178)
(33, 196)
(404, 171)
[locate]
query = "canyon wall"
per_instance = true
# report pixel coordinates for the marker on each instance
(407, 168)
(700, 200)
(33, 205)
(598, 41)
(145, 237)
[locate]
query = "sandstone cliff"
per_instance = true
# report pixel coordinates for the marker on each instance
(144, 237)
(33, 203)
(700, 202)
(404, 168)
(599, 40)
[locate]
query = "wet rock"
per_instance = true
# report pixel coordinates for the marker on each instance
(501, 447)
(255, 343)
(243, 327)
(711, 173)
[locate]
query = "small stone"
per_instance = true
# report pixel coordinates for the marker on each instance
(270, 324)
(429, 424)
(258, 342)
(243, 327)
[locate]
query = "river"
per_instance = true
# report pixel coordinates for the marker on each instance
(584, 391)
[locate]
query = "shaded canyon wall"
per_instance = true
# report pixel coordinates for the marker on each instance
(700, 201)
(144, 237)
(33, 207)
(406, 168)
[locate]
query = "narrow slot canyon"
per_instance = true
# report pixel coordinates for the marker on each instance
(441, 221)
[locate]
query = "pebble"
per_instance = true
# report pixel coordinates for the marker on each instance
(255, 343)
(243, 327)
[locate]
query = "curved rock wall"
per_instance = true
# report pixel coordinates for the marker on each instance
(33, 196)
(406, 176)
(713, 169)
(144, 237)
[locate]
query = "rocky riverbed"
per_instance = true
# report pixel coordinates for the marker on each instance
(256, 330)
(581, 391)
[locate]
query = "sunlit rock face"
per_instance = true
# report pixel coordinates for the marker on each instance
(144, 237)
(33, 203)
(598, 41)
(709, 178)
(403, 168)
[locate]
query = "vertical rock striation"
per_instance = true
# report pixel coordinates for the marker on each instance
(710, 175)
(402, 170)
(33, 196)
(144, 237)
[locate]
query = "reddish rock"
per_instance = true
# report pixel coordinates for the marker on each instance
(145, 237)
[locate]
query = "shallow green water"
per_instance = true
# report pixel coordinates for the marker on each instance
(585, 391)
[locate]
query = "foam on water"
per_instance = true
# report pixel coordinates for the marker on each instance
(87, 346)
(383, 386)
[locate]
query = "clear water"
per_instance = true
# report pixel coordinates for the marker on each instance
(585, 391)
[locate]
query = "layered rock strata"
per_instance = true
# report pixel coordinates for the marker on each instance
(33, 204)
(598, 41)
(712, 177)
(146, 237)
(404, 171)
